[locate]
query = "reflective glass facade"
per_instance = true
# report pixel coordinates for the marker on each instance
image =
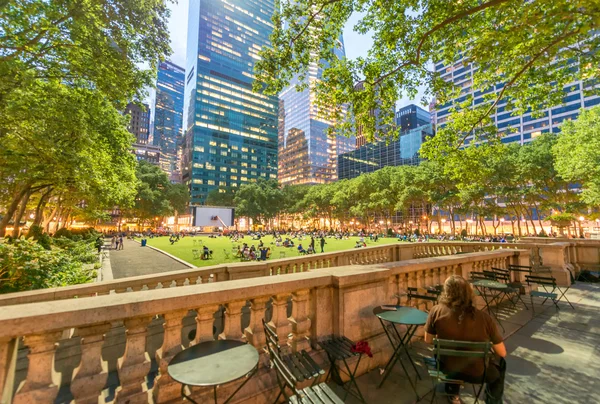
(410, 117)
(373, 156)
(306, 154)
(230, 131)
(168, 114)
(516, 128)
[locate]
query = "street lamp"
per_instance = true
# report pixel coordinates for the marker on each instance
(502, 222)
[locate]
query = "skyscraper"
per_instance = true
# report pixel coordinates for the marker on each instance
(168, 114)
(307, 155)
(231, 132)
(516, 128)
(410, 117)
(139, 122)
(139, 126)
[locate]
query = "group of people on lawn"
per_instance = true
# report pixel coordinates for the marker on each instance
(252, 253)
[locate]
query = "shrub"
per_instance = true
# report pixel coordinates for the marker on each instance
(27, 265)
(463, 233)
(64, 232)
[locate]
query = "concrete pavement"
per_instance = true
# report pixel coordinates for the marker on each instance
(134, 260)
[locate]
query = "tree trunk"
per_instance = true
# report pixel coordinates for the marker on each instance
(40, 207)
(12, 208)
(19, 215)
(46, 224)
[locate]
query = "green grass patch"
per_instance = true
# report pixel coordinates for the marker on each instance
(182, 249)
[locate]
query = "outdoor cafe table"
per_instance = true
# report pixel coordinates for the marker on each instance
(496, 289)
(213, 363)
(410, 317)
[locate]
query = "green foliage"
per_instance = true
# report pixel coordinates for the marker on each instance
(26, 265)
(155, 195)
(67, 69)
(258, 200)
(577, 153)
(562, 220)
(223, 196)
(527, 45)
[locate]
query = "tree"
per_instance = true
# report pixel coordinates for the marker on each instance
(532, 48)
(103, 44)
(222, 196)
(63, 142)
(258, 200)
(577, 154)
(156, 196)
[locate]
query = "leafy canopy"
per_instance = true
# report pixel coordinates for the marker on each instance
(532, 47)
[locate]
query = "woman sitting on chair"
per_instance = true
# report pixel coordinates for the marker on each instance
(456, 318)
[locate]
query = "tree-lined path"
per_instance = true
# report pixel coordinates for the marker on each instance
(134, 260)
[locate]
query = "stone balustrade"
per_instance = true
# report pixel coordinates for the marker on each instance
(303, 307)
(559, 257)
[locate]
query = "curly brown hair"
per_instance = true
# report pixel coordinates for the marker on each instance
(458, 296)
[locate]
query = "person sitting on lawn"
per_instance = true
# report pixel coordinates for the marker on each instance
(206, 253)
(301, 249)
(252, 255)
(310, 250)
(456, 318)
(238, 254)
(263, 254)
(268, 254)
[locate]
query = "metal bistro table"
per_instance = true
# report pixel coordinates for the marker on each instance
(214, 363)
(412, 318)
(496, 290)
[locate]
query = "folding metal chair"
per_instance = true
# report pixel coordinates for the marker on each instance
(320, 393)
(300, 364)
(513, 289)
(227, 254)
(465, 349)
(545, 282)
(340, 349)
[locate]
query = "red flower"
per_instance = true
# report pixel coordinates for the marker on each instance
(362, 347)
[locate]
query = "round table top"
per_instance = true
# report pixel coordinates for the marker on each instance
(490, 284)
(403, 315)
(213, 362)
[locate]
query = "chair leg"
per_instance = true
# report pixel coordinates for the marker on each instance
(478, 393)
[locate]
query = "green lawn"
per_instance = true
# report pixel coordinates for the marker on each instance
(183, 248)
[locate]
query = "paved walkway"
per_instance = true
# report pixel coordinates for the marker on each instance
(553, 358)
(134, 260)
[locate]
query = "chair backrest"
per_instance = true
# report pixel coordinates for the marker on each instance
(502, 274)
(431, 294)
(541, 280)
(285, 377)
(520, 268)
(271, 336)
(478, 276)
(464, 349)
(490, 275)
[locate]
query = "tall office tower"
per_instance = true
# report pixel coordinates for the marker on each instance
(168, 115)
(139, 123)
(307, 155)
(139, 126)
(231, 132)
(516, 128)
(382, 153)
(411, 117)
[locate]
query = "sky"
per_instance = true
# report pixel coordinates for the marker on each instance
(356, 44)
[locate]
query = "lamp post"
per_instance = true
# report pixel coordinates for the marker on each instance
(502, 223)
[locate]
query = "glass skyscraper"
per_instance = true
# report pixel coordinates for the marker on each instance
(168, 114)
(306, 154)
(230, 131)
(410, 117)
(381, 153)
(515, 127)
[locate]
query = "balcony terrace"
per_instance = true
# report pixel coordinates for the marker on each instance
(112, 341)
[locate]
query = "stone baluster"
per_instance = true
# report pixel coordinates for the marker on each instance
(165, 388)
(90, 377)
(301, 322)
(403, 288)
(280, 319)
(233, 321)
(39, 387)
(437, 276)
(429, 277)
(135, 363)
(205, 320)
(255, 332)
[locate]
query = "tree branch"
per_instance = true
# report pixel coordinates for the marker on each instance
(311, 19)
(525, 67)
(435, 28)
